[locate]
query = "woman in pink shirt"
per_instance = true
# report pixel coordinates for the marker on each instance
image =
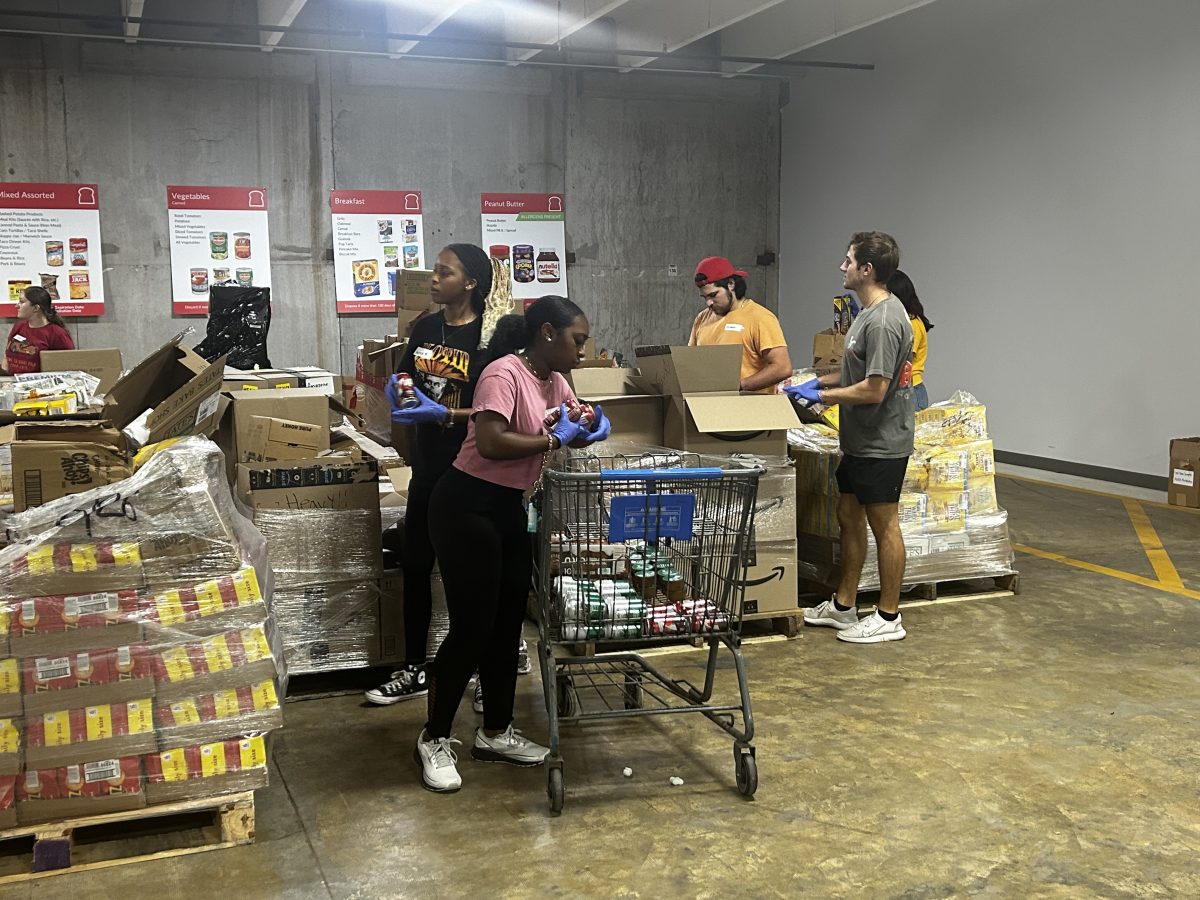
(477, 523)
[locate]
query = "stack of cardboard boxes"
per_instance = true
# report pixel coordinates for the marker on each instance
(140, 663)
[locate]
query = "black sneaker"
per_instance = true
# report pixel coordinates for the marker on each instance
(404, 684)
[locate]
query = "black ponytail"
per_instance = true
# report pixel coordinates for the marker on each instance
(518, 332)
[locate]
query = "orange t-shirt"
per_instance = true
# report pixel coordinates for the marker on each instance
(754, 327)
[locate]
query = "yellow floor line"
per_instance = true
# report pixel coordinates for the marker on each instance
(1082, 490)
(1105, 570)
(1152, 544)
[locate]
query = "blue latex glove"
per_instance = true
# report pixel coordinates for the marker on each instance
(427, 412)
(601, 427)
(567, 431)
(392, 391)
(807, 393)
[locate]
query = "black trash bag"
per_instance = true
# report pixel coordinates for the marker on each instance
(238, 321)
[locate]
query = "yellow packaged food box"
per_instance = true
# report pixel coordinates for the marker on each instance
(981, 457)
(948, 470)
(981, 493)
(946, 510)
(913, 511)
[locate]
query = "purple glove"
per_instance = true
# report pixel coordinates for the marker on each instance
(426, 412)
(807, 393)
(601, 427)
(567, 431)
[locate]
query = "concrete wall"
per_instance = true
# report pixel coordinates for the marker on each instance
(651, 177)
(1035, 160)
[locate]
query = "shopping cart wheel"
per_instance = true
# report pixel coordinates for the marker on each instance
(554, 789)
(568, 702)
(746, 770)
(632, 691)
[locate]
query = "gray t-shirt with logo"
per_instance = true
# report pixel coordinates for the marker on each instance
(880, 342)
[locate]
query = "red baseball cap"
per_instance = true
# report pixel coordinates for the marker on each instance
(715, 268)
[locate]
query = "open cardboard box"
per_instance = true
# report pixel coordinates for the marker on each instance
(636, 411)
(105, 364)
(705, 413)
(178, 385)
(53, 459)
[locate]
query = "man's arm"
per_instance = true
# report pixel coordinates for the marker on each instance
(870, 391)
(778, 367)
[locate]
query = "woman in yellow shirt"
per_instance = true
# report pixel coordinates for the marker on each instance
(901, 285)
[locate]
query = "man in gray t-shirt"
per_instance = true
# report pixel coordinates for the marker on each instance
(874, 395)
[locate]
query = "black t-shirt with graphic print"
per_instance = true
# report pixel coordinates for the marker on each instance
(445, 362)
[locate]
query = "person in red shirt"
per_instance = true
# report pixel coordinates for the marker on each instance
(38, 328)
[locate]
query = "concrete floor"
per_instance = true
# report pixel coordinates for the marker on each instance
(1037, 746)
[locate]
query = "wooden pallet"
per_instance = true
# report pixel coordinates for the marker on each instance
(786, 623)
(926, 591)
(113, 839)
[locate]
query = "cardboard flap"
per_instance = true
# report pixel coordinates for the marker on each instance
(690, 370)
(69, 433)
(173, 381)
(601, 384)
(715, 413)
(105, 364)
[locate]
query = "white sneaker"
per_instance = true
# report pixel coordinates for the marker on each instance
(826, 613)
(508, 747)
(873, 629)
(524, 665)
(438, 770)
(477, 701)
(404, 684)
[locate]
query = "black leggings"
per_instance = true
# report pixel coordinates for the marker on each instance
(484, 549)
(417, 560)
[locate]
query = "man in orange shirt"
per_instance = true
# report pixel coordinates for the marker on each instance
(730, 317)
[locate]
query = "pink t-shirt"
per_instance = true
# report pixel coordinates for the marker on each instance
(509, 388)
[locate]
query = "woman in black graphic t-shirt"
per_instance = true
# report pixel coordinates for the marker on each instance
(444, 358)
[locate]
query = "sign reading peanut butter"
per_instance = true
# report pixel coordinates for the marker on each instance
(527, 232)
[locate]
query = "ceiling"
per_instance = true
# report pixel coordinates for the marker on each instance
(731, 38)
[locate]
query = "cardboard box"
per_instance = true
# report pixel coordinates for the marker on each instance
(391, 619)
(413, 289)
(318, 379)
(203, 770)
(705, 413)
(249, 709)
(11, 701)
(66, 736)
(42, 626)
(237, 380)
(772, 582)
(636, 411)
(10, 750)
(310, 406)
(1183, 486)
(93, 678)
(276, 439)
(102, 786)
(278, 379)
(104, 364)
(227, 661)
(177, 384)
(828, 348)
(53, 459)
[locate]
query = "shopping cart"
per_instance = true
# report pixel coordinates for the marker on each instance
(634, 553)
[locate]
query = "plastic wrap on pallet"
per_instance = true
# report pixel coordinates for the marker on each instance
(327, 567)
(137, 620)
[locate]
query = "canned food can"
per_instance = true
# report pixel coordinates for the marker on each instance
(199, 278)
(219, 275)
(218, 244)
(80, 284)
(79, 251)
(623, 631)
(245, 277)
(241, 244)
(54, 253)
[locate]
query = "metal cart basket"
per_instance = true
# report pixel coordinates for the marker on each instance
(635, 553)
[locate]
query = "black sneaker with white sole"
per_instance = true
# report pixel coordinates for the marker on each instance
(405, 684)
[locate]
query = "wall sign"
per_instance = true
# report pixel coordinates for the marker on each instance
(50, 236)
(375, 234)
(528, 231)
(218, 235)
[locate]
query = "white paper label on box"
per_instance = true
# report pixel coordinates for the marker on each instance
(102, 770)
(94, 603)
(49, 669)
(1184, 477)
(207, 408)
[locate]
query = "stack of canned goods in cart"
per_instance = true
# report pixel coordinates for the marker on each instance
(612, 609)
